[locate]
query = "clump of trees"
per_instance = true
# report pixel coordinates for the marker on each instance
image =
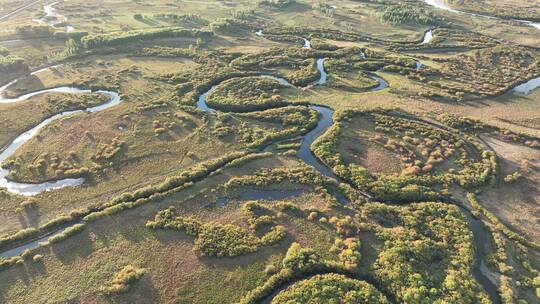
(93, 41)
(421, 147)
(11, 64)
(475, 126)
(331, 288)
(222, 240)
(124, 279)
(409, 14)
(427, 253)
(246, 94)
(183, 18)
(276, 3)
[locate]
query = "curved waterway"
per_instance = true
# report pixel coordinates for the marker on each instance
(441, 4)
(52, 18)
(29, 189)
(481, 236)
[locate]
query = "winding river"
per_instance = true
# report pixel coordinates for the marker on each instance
(479, 231)
(28, 189)
(441, 4)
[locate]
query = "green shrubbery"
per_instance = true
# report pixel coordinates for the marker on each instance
(219, 240)
(427, 253)
(409, 14)
(124, 279)
(246, 94)
(93, 41)
(276, 3)
(330, 288)
(421, 148)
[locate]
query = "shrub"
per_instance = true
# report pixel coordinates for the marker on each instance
(512, 178)
(37, 258)
(298, 258)
(270, 269)
(124, 279)
(67, 233)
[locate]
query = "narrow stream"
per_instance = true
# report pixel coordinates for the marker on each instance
(6, 86)
(527, 87)
(479, 269)
(441, 4)
(427, 37)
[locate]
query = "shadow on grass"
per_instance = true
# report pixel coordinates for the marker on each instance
(69, 250)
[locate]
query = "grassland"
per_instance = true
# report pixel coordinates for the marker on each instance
(177, 206)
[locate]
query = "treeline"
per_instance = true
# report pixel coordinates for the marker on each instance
(276, 3)
(298, 263)
(93, 41)
(409, 14)
(447, 38)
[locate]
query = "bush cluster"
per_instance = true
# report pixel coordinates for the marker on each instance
(427, 253)
(219, 240)
(246, 94)
(409, 14)
(124, 279)
(330, 288)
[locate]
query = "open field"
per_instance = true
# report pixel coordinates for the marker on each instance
(273, 151)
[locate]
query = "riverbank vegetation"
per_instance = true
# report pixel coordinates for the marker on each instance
(431, 158)
(184, 205)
